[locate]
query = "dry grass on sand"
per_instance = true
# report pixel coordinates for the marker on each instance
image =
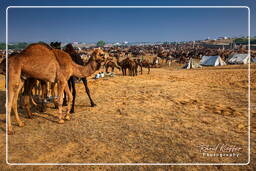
(162, 117)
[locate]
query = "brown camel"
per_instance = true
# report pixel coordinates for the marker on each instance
(42, 62)
(129, 64)
(71, 82)
(143, 63)
(112, 65)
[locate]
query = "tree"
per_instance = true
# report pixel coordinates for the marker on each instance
(101, 43)
(2, 46)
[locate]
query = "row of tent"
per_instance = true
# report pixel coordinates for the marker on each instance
(217, 61)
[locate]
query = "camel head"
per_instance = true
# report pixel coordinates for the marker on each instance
(55, 45)
(98, 55)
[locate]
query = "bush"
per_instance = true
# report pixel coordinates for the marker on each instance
(101, 43)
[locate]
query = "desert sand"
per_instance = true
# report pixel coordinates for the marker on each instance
(161, 117)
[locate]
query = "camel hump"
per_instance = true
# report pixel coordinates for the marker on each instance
(41, 44)
(36, 48)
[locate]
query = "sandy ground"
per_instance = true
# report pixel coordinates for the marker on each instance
(163, 117)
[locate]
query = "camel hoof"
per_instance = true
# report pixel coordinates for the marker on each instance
(67, 117)
(10, 132)
(93, 105)
(21, 124)
(72, 111)
(64, 104)
(61, 121)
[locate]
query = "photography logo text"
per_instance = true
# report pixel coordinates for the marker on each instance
(219, 150)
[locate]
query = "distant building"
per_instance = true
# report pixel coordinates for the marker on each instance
(116, 44)
(222, 38)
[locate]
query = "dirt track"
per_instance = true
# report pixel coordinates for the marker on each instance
(162, 117)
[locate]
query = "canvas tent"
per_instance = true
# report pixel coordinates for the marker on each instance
(191, 64)
(239, 59)
(212, 61)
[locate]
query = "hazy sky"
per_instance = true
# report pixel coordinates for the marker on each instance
(91, 25)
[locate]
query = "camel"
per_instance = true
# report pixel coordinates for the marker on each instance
(110, 64)
(71, 82)
(127, 64)
(40, 61)
(122, 64)
(143, 63)
(132, 66)
(39, 85)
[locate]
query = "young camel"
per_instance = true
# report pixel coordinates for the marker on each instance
(40, 61)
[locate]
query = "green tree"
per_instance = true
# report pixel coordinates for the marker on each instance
(101, 43)
(2, 46)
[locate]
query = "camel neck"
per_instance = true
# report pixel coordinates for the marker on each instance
(87, 70)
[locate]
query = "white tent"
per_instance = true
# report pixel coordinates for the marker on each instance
(212, 61)
(191, 64)
(239, 59)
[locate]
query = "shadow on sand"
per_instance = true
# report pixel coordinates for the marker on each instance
(22, 112)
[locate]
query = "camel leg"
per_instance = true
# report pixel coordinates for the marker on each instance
(65, 95)
(44, 95)
(73, 85)
(13, 86)
(113, 68)
(124, 71)
(64, 99)
(30, 93)
(88, 91)
(61, 86)
(10, 100)
(54, 95)
(141, 70)
(32, 100)
(67, 90)
(36, 90)
(106, 69)
(15, 106)
(28, 86)
(148, 70)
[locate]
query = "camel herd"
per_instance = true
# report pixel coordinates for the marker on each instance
(40, 61)
(51, 66)
(44, 64)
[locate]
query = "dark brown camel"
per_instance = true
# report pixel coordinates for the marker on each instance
(40, 61)
(129, 64)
